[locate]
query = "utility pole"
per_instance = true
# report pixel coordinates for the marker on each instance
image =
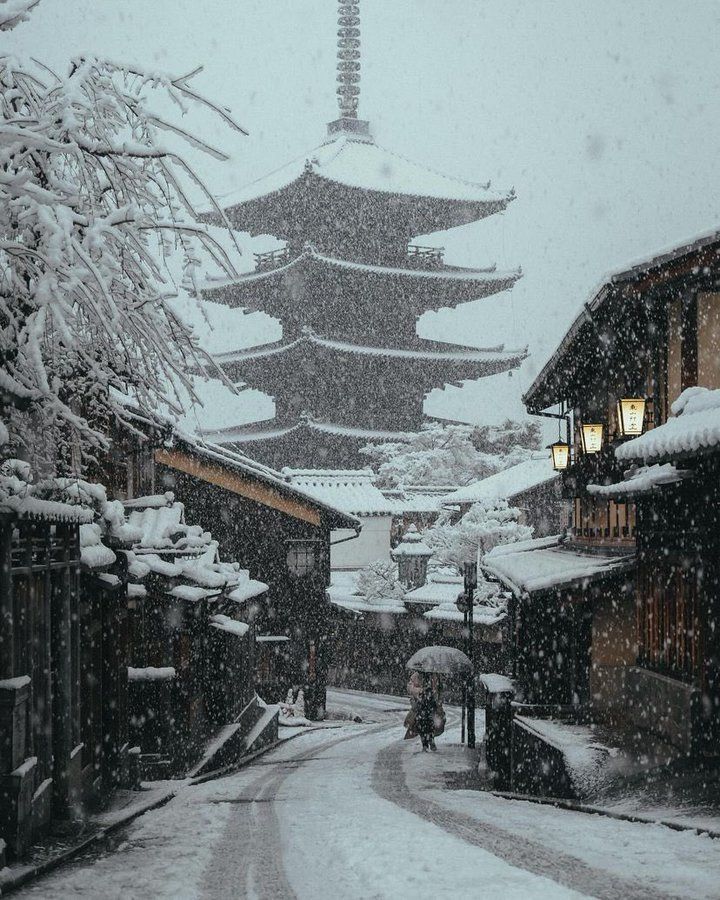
(470, 585)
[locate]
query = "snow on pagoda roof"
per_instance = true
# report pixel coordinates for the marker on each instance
(454, 273)
(310, 337)
(546, 564)
(264, 432)
(354, 491)
(693, 428)
(366, 165)
(525, 475)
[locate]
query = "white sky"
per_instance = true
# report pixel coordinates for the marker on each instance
(604, 116)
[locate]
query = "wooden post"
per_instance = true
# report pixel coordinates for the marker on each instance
(7, 655)
(62, 712)
(470, 584)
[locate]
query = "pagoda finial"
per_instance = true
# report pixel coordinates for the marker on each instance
(348, 54)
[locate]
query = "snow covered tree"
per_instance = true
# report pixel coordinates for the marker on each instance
(452, 454)
(92, 204)
(485, 525)
(378, 582)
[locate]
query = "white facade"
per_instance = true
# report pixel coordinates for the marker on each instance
(372, 544)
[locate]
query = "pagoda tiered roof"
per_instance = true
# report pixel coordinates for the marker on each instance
(292, 440)
(356, 298)
(349, 172)
(400, 371)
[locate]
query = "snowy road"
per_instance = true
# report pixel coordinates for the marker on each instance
(354, 812)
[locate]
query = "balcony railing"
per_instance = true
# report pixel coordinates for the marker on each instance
(272, 259)
(419, 257)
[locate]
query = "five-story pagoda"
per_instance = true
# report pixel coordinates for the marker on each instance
(349, 286)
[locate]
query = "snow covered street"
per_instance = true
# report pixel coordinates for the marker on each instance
(355, 812)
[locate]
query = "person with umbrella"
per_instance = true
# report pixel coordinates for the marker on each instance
(427, 717)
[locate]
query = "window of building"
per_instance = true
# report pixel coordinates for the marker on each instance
(301, 557)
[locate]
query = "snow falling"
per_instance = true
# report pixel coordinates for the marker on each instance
(359, 450)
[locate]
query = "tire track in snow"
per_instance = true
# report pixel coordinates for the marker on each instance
(248, 863)
(390, 783)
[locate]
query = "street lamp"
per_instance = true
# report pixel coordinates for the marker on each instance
(470, 583)
(560, 455)
(631, 416)
(592, 438)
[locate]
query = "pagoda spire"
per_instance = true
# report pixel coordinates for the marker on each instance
(348, 74)
(348, 56)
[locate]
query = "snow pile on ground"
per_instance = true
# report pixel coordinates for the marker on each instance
(292, 710)
(585, 757)
(693, 427)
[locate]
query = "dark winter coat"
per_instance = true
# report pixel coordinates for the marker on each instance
(425, 712)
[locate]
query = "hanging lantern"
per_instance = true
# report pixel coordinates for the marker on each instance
(592, 438)
(631, 416)
(560, 455)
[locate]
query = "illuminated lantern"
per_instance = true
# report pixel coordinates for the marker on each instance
(631, 416)
(592, 438)
(560, 455)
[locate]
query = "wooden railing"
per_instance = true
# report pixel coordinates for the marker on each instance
(272, 259)
(419, 257)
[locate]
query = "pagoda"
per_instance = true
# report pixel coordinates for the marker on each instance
(349, 286)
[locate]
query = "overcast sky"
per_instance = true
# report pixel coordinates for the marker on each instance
(604, 116)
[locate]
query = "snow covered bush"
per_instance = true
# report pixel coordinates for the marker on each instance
(92, 204)
(452, 454)
(485, 525)
(378, 581)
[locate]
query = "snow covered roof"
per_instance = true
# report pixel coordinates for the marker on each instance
(354, 491)
(546, 564)
(487, 274)
(412, 544)
(272, 431)
(239, 462)
(640, 481)
(502, 485)
(692, 429)
(439, 588)
(45, 501)
(408, 500)
(366, 165)
(309, 337)
(701, 251)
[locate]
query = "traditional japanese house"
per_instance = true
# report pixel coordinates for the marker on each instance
(533, 486)
(647, 335)
(349, 288)
(355, 492)
(274, 528)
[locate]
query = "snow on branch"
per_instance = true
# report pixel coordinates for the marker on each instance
(92, 207)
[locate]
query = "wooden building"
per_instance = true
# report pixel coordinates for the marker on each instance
(648, 336)
(274, 528)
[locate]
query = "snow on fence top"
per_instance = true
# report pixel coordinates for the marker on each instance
(693, 428)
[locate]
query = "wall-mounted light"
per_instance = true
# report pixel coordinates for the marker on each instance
(631, 416)
(592, 438)
(560, 455)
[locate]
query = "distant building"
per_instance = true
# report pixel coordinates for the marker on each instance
(349, 288)
(533, 486)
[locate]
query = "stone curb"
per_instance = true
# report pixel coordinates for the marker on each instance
(572, 806)
(30, 873)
